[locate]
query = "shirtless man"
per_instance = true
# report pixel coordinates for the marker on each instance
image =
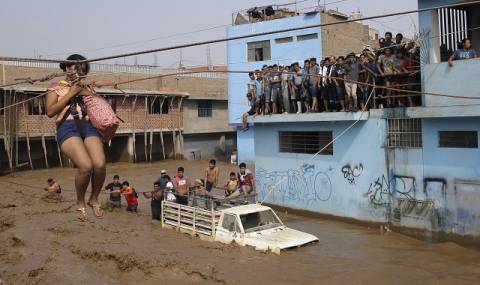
(211, 175)
(181, 185)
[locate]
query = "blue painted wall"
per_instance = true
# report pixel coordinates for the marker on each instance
(428, 188)
(246, 146)
(285, 53)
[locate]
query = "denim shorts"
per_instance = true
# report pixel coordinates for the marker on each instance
(69, 129)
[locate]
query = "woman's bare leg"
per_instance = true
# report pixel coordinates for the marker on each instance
(75, 149)
(95, 151)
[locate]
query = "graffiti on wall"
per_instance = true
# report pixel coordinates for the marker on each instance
(304, 185)
(351, 173)
(398, 198)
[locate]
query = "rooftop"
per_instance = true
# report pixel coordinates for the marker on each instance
(247, 209)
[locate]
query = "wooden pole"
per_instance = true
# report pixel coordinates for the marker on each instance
(145, 135)
(174, 144)
(45, 150)
(28, 137)
(132, 113)
(15, 129)
(6, 128)
(151, 143)
(163, 146)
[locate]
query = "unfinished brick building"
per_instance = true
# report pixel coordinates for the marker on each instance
(153, 114)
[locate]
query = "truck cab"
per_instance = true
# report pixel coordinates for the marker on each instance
(258, 226)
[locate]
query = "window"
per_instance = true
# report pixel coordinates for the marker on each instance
(305, 142)
(284, 40)
(307, 37)
(155, 105)
(204, 109)
(230, 223)
(259, 221)
(258, 51)
(36, 106)
(405, 133)
(453, 25)
(458, 139)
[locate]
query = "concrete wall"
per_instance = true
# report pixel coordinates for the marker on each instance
(343, 39)
(217, 123)
(246, 146)
(429, 188)
(211, 145)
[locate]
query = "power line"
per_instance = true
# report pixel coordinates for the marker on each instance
(140, 41)
(242, 37)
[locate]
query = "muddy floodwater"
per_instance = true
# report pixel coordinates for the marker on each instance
(42, 243)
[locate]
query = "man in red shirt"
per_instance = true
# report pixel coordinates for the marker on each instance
(130, 197)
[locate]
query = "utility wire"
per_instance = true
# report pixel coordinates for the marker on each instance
(241, 37)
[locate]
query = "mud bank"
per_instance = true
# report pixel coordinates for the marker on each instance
(42, 243)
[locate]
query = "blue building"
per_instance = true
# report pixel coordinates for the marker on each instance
(416, 168)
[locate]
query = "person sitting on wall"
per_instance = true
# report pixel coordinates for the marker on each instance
(246, 184)
(251, 112)
(231, 185)
(466, 52)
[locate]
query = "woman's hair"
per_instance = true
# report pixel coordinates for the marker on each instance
(464, 41)
(64, 65)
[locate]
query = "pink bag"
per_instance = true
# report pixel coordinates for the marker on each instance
(102, 116)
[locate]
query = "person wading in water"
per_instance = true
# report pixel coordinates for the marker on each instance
(77, 137)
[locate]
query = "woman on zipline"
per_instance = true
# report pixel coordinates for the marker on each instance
(77, 137)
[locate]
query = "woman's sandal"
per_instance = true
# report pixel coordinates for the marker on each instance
(82, 214)
(97, 210)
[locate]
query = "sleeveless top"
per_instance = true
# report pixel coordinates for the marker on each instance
(61, 89)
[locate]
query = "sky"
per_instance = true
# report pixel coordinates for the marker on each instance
(57, 28)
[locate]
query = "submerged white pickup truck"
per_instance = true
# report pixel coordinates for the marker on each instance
(247, 225)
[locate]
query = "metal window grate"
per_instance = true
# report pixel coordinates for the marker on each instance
(307, 37)
(284, 40)
(258, 51)
(405, 133)
(458, 139)
(204, 109)
(305, 142)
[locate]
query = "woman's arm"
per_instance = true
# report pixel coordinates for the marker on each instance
(55, 106)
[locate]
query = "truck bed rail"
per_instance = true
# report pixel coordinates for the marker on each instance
(191, 220)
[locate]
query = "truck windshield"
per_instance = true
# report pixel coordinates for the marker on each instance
(259, 221)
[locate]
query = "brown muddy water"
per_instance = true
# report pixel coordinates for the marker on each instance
(42, 243)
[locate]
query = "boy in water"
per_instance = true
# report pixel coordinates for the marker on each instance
(53, 186)
(211, 175)
(115, 197)
(130, 196)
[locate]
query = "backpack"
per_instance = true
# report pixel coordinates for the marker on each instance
(135, 193)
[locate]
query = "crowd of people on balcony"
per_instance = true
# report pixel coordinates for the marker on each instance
(343, 83)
